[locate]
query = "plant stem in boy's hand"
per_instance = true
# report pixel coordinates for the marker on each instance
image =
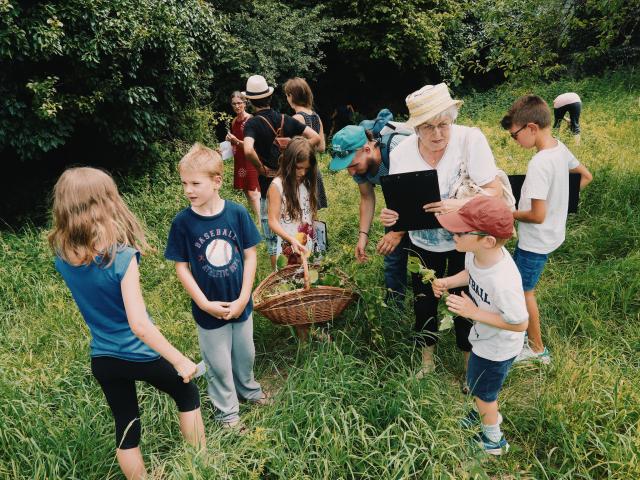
(439, 286)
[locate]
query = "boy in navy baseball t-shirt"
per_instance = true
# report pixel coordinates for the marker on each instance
(213, 243)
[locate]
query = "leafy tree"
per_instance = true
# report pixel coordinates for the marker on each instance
(275, 39)
(553, 37)
(119, 69)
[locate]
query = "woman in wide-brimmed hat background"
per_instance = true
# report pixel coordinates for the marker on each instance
(457, 153)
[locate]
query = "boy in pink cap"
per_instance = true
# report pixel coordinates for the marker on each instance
(495, 305)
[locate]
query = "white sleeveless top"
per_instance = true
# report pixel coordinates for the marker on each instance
(292, 227)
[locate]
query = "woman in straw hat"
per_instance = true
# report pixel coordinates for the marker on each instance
(455, 151)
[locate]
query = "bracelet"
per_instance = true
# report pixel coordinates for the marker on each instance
(366, 233)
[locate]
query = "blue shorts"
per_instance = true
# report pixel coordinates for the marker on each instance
(270, 238)
(530, 266)
(485, 377)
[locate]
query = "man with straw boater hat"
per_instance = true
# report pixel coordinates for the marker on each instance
(259, 148)
(462, 157)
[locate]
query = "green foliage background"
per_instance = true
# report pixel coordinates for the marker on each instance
(352, 409)
(123, 74)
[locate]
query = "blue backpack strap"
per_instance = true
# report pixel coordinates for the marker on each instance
(385, 146)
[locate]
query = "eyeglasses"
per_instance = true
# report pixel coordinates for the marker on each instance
(234, 104)
(514, 135)
(428, 128)
(478, 234)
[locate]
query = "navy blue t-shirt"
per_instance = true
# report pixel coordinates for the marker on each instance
(214, 248)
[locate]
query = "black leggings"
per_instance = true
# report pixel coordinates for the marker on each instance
(425, 304)
(117, 378)
(574, 116)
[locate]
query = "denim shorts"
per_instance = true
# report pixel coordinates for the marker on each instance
(530, 266)
(270, 239)
(485, 377)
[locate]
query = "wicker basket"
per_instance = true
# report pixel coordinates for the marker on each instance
(303, 306)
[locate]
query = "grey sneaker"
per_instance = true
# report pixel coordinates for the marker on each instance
(528, 355)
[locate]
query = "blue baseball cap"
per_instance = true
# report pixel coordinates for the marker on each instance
(344, 145)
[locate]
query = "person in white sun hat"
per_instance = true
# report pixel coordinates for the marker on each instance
(458, 153)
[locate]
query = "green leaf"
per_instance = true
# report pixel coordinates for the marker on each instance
(281, 262)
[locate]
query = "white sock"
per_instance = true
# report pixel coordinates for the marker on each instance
(492, 432)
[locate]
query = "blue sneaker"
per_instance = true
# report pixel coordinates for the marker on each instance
(471, 420)
(493, 448)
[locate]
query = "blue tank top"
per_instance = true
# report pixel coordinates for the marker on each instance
(96, 291)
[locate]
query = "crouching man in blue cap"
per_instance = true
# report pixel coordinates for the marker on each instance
(367, 159)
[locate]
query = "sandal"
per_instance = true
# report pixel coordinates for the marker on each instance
(264, 400)
(236, 426)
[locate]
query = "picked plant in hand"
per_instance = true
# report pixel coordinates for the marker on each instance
(428, 276)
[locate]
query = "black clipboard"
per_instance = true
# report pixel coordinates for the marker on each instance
(407, 193)
(516, 182)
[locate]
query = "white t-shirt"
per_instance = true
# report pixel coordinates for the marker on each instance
(565, 99)
(497, 289)
(547, 179)
(482, 169)
(293, 227)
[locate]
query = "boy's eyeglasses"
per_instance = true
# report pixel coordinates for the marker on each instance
(514, 135)
(478, 234)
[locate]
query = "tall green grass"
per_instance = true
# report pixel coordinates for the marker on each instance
(352, 409)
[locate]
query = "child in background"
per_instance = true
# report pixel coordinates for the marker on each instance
(97, 242)
(293, 206)
(293, 201)
(300, 99)
(496, 306)
(543, 206)
(213, 242)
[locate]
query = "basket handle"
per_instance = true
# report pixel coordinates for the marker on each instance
(305, 269)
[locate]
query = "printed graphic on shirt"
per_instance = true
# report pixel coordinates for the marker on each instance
(217, 255)
(479, 291)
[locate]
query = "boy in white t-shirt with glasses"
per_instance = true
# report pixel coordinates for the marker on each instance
(543, 206)
(495, 304)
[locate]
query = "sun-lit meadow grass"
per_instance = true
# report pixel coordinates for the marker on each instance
(351, 409)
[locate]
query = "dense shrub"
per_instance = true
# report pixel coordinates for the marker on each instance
(120, 69)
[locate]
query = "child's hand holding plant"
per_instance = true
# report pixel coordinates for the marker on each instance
(439, 286)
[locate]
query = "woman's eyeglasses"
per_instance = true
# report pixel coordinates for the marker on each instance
(235, 104)
(428, 128)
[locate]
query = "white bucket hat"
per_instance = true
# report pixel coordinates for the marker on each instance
(257, 87)
(428, 102)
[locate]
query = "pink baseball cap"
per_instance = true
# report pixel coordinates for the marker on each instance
(481, 214)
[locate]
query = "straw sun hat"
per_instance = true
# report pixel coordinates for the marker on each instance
(428, 102)
(257, 87)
